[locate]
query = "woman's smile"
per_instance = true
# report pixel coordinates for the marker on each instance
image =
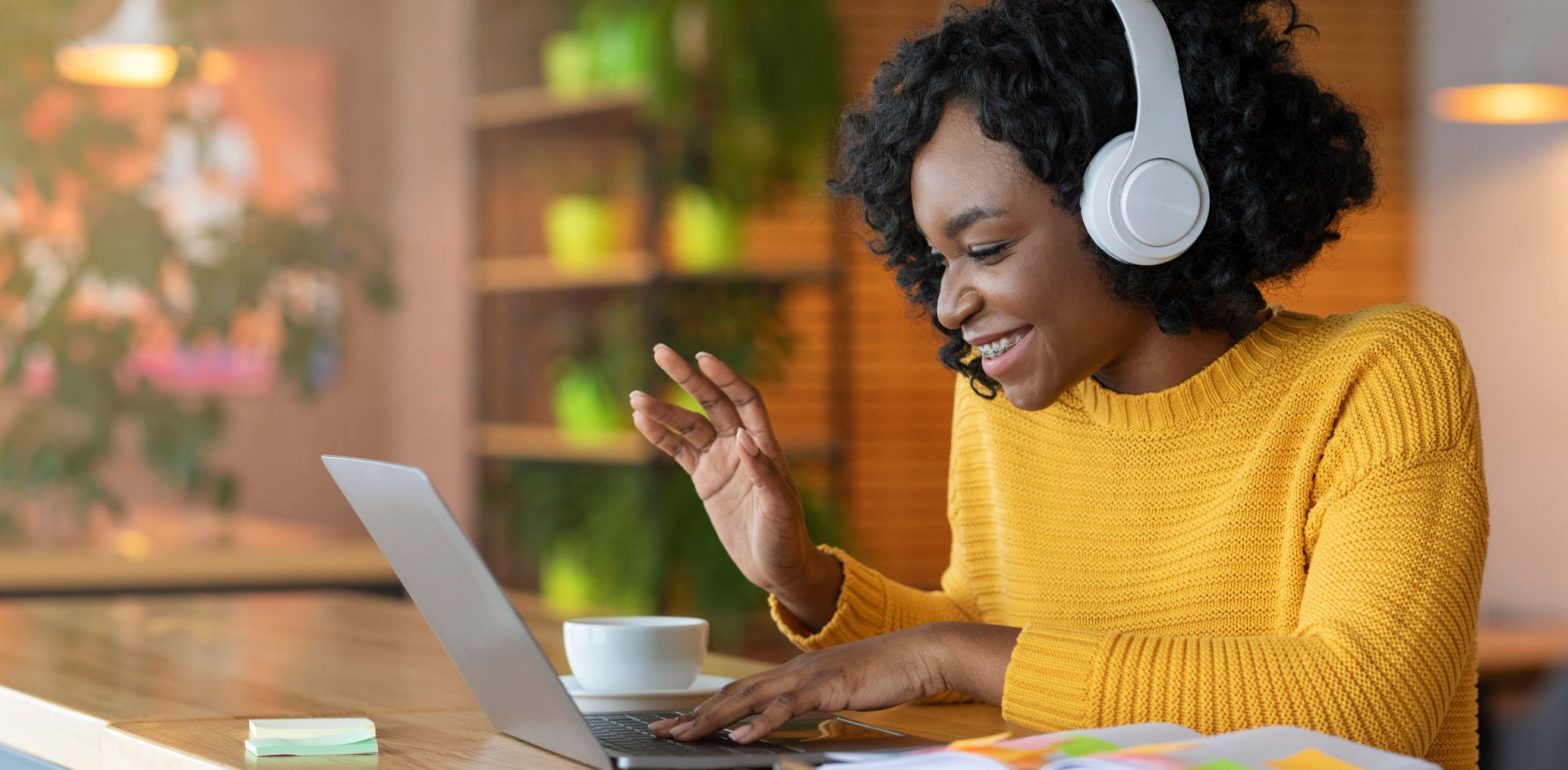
(999, 354)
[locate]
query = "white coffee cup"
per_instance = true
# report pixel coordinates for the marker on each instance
(643, 652)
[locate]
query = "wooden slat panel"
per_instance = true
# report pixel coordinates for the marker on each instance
(899, 395)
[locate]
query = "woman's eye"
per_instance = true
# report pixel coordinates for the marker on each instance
(984, 253)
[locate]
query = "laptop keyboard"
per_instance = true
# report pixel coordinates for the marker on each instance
(629, 734)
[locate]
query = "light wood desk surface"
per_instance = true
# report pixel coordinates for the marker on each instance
(168, 682)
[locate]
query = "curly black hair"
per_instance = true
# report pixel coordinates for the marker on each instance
(1285, 158)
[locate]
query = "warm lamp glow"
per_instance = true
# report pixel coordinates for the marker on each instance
(135, 66)
(131, 49)
(1507, 103)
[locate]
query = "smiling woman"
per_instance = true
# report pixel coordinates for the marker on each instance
(1021, 289)
(1189, 507)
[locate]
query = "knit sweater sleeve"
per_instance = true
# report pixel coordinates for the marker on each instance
(1385, 634)
(869, 603)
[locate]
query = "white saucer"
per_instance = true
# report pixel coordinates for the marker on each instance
(598, 702)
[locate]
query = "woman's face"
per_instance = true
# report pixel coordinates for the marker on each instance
(1018, 284)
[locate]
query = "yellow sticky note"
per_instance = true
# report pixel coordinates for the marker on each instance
(1312, 759)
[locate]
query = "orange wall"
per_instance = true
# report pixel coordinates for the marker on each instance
(899, 397)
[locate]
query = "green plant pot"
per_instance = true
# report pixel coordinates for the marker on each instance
(587, 413)
(705, 232)
(579, 232)
(567, 60)
(622, 50)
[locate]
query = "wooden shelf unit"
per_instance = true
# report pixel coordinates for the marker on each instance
(531, 147)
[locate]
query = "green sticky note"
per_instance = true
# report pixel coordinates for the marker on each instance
(1081, 745)
(276, 748)
(338, 739)
(1222, 764)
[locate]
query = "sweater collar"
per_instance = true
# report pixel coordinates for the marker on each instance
(1218, 382)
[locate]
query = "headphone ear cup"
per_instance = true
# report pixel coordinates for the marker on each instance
(1097, 205)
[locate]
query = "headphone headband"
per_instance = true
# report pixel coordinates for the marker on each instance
(1145, 197)
(1155, 73)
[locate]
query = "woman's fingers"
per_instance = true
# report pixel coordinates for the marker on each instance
(738, 700)
(742, 397)
(667, 441)
(689, 425)
(722, 413)
(763, 471)
(781, 709)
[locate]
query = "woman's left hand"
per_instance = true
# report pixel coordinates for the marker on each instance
(873, 673)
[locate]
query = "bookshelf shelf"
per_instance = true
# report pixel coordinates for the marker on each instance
(537, 274)
(520, 441)
(536, 106)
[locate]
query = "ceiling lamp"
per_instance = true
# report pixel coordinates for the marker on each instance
(1503, 103)
(1514, 88)
(130, 50)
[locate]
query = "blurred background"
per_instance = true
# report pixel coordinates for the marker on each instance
(237, 235)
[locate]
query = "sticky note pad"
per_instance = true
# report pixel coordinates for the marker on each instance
(290, 749)
(311, 737)
(301, 729)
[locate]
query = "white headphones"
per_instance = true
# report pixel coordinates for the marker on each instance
(1145, 198)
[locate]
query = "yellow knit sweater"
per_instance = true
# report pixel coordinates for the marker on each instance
(1294, 535)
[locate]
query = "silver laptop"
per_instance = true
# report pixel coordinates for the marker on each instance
(506, 670)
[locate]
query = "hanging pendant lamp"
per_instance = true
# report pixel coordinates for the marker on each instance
(1516, 90)
(131, 50)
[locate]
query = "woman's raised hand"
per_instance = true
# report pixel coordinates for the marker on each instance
(738, 471)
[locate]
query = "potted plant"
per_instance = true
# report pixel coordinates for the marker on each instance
(78, 305)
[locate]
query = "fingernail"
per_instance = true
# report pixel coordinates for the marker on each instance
(661, 345)
(740, 733)
(681, 729)
(635, 394)
(705, 354)
(746, 442)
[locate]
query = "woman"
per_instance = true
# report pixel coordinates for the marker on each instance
(1187, 507)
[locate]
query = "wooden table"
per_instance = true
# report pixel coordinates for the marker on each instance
(168, 682)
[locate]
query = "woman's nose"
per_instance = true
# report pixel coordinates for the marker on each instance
(957, 299)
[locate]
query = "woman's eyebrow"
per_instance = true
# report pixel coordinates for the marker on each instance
(969, 216)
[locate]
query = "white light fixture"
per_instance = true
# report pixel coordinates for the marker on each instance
(1502, 103)
(132, 49)
(1515, 91)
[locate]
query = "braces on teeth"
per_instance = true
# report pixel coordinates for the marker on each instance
(994, 349)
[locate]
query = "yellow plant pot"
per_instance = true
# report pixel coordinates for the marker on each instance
(567, 60)
(705, 232)
(580, 233)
